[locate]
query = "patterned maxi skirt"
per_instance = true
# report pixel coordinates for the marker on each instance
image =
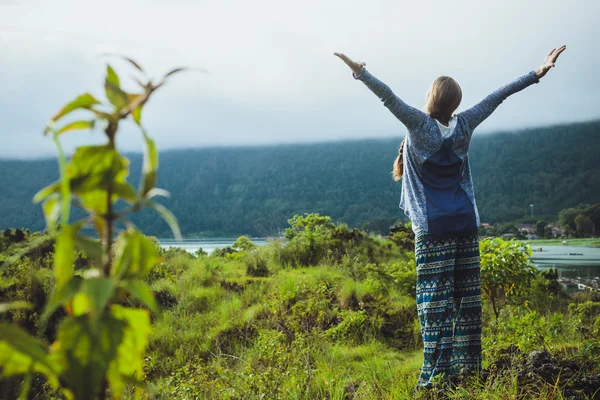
(448, 304)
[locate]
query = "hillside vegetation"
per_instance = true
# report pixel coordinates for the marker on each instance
(253, 190)
(329, 315)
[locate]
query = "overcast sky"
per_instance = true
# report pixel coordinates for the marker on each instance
(272, 76)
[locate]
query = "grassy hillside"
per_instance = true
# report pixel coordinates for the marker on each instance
(272, 323)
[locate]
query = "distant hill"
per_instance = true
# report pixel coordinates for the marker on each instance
(254, 190)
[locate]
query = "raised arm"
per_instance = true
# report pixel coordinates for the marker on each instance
(409, 116)
(479, 112)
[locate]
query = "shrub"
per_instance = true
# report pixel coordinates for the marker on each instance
(353, 327)
(505, 271)
(244, 244)
(256, 263)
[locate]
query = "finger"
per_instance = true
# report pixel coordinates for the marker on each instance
(551, 51)
(345, 58)
(339, 55)
(563, 48)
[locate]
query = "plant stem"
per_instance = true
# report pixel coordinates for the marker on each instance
(109, 217)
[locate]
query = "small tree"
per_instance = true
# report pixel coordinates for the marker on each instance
(100, 344)
(505, 271)
(540, 228)
(308, 237)
(244, 244)
(585, 226)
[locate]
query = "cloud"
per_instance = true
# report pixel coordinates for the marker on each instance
(273, 77)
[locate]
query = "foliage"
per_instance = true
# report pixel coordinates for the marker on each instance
(582, 222)
(505, 270)
(100, 344)
(403, 236)
(257, 263)
(243, 243)
(334, 330)
(233, 191)
(587, 315)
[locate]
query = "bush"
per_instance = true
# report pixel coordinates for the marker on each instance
(244, 244)
(506, 271)
(353, 327)
(256, 263)
(587, 315)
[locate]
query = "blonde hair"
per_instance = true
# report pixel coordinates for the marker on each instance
(442, 99)
(399, 163)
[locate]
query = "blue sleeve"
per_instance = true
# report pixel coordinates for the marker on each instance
(409, 116)
(479, 112)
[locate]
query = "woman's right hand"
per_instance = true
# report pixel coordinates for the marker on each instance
(355, 66)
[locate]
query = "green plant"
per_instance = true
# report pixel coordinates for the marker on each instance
(256, 263)
(243, 243)
(100, 344)
(308, 238)
(505, 270)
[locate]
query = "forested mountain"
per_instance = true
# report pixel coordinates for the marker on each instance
(254, 190)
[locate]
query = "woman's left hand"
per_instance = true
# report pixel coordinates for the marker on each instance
(549, 61)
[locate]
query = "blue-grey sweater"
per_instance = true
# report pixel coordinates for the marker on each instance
(437, 188)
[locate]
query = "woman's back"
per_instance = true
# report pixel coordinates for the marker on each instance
(437, 188)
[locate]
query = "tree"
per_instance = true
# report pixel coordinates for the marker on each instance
(308, 237)
(19, 236)
(584, 225)
(540, 228)
(593, 212)
(244, 244)
(505, 271)
(566, 219)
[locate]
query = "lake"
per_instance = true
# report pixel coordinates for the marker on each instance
(571, 261)
(208, 245)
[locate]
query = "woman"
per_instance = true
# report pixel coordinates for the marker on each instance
(437, 196)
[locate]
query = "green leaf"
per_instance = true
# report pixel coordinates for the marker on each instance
(137, 115)
(167, 216)
(91, 247)
(136, 255)
(112, 77)
(86, 351)
(150, 165)
(77, 125)
(52, 209)
(65, 190)
(47, 191)
(14, 305)
(85, 101)
(61, 295)
(130, 361)
(99, 291)
(115, 95)
(96, 167)
(64, 255)
(125, 191)
(141, 291)
(29, 348)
